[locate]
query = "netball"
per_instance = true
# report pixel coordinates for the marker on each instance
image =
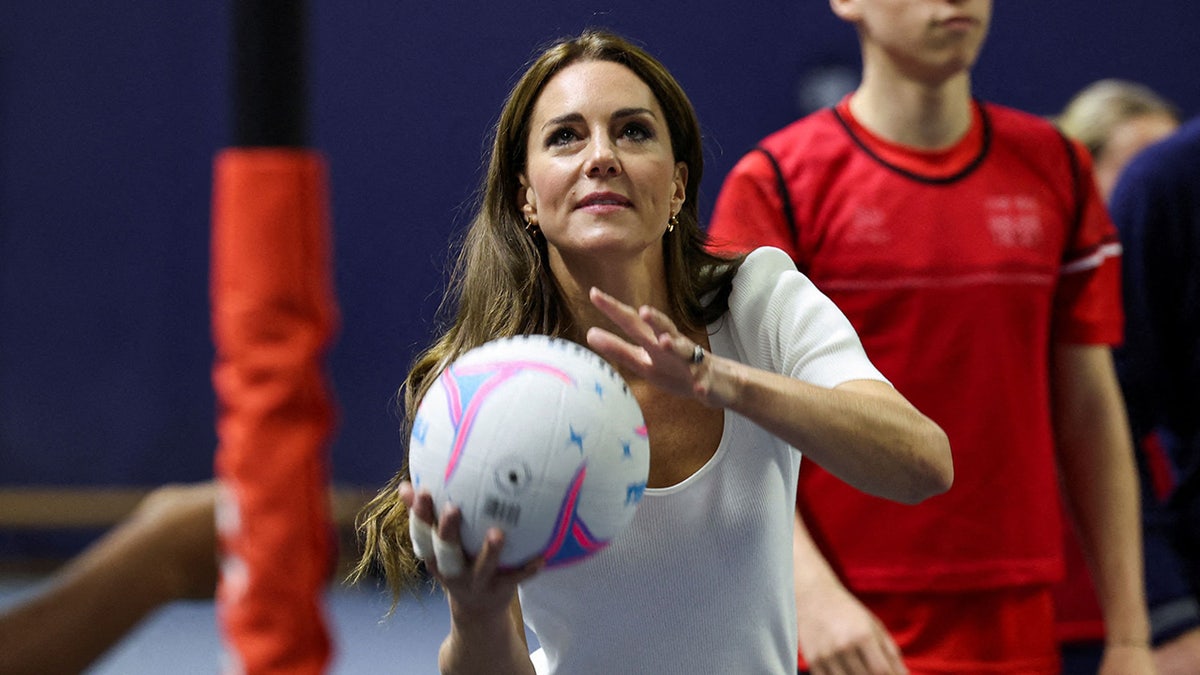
(539, 437)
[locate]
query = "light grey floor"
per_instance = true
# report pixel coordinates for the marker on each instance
(183, 638)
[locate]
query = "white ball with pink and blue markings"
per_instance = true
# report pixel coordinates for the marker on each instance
(539, 437)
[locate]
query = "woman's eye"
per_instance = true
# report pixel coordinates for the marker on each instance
(636, 132)
(562, 137)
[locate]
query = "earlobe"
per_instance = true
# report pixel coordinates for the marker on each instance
(529, 211)
(529, 207)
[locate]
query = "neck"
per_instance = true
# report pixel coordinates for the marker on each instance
(919, 114)
(630, 281)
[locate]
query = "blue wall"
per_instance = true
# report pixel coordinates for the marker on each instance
(110, 114)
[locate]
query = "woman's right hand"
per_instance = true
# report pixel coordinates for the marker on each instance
(484, 636)
(478, 590)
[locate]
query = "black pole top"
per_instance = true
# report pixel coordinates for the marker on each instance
(270, 87)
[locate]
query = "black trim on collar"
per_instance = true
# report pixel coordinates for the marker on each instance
(974, 164)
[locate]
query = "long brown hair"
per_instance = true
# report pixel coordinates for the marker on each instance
(501, 284)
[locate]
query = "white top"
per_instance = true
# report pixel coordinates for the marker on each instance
(701, 580)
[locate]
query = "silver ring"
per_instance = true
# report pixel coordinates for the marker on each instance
(697, 355)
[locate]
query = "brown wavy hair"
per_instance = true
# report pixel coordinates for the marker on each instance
(501, 285)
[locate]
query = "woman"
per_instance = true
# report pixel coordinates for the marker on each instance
(588, 230)
(1116, 119)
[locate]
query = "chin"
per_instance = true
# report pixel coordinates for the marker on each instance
(609, 244)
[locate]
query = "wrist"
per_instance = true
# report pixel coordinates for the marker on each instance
(482, 640)
(728, 383)
(473, 624)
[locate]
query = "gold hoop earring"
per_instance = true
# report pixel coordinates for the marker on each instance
(531, 228)
(672, 223)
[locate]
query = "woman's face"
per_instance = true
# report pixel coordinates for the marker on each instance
(600, 174)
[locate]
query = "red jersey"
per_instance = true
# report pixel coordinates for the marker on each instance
(958, 268)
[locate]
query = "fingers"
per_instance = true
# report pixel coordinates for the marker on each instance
(420, 516)
(857, 662)
(447, 543)
(441, 546)
(877, 657)
(619, 351)
(441, 549)
(853, 648)
(647, 326)
(662, 325)
(625, 317)
(487, 565)
(422, 537)
(419, 530)
(887, 659)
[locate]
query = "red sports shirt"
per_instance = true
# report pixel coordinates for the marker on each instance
(958, 268)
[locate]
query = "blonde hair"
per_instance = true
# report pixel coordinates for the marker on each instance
(501, 284)
(1096, 110)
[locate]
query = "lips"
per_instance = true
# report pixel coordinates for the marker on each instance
(603, 199)
(958, 22)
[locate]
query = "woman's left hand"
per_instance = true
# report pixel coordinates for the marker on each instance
(657, 351)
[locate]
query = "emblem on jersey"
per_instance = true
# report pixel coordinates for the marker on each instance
(1014, 220)
(867, 226)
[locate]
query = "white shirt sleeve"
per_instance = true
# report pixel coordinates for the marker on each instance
(781, 322)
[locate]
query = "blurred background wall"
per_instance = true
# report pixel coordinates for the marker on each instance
(110, 115)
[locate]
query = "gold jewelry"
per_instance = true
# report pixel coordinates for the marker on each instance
(672, 222)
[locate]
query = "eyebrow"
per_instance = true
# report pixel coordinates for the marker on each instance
(574, 117)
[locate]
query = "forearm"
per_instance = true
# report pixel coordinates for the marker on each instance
(1105, 513)
(1100, 480)
(484, 646)
(864, 432)
(810, 570)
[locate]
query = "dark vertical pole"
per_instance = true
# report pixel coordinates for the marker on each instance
(269, 79)
(274, 316)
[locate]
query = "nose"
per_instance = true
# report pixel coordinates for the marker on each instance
(603, 159)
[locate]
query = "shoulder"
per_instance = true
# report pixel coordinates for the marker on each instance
(780, 321)
(1160, 180)
(762, 267)
(807, 144)
(1026, 132)
(1022, 138)
(1006, 120)
(1175, 159)
(768, 284)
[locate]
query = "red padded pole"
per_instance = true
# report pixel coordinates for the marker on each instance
(274, 316)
